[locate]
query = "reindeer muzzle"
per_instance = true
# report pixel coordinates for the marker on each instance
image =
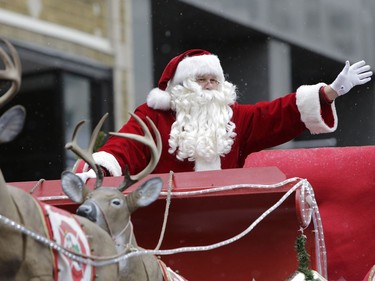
(88, 211)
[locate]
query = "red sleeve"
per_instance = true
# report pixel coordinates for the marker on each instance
(325, 105)
(267, 124)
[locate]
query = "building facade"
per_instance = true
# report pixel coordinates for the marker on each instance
(82, 58)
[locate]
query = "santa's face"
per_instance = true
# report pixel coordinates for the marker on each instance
(202, 129)
(208, 82)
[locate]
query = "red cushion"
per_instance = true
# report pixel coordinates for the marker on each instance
(343, 180)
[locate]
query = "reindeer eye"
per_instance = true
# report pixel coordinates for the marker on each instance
(116, 202)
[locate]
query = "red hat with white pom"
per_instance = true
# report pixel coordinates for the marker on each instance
(192, 63)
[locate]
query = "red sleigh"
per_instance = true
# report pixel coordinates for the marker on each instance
(343, 180)
(206, 219)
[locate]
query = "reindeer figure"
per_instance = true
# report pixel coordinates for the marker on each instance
(21, 256)
(111, 209)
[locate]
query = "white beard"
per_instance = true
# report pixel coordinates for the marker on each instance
(202, 130)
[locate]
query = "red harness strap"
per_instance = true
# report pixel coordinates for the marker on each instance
(169, 274)
(48, 229)
(163, 270)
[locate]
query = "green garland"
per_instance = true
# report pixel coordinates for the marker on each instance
(100, 140)
(303, 258)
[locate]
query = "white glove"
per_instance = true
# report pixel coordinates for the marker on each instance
(350, 76)
(90, 174)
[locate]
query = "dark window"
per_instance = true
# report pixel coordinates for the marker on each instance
(55, 101)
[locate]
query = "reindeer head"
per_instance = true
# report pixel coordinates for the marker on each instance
(11, 123)
(108, 206)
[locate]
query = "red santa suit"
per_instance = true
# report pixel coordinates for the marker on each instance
(258, 126)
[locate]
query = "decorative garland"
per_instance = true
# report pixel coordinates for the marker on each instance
(303, 257)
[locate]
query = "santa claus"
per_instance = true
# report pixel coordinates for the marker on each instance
(204, 128)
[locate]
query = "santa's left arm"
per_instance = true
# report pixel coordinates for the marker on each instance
(321, 117)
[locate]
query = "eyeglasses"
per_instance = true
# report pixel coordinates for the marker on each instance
(205, 81)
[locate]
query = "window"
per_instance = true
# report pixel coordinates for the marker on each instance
(56, 99)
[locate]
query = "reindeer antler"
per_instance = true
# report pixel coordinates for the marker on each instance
(86, 155)
(147, 140)
(12, 72)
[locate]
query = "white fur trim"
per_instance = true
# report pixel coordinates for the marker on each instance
(202, 165)
(109, 162)
(308, 104)
(159, 99)
(190, 67)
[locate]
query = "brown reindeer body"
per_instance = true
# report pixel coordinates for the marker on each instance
(24, 258)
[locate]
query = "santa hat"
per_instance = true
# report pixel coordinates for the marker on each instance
(192, 63)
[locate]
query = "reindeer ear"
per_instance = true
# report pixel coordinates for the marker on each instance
(73, 186)
(11, 123)
(146, 194)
